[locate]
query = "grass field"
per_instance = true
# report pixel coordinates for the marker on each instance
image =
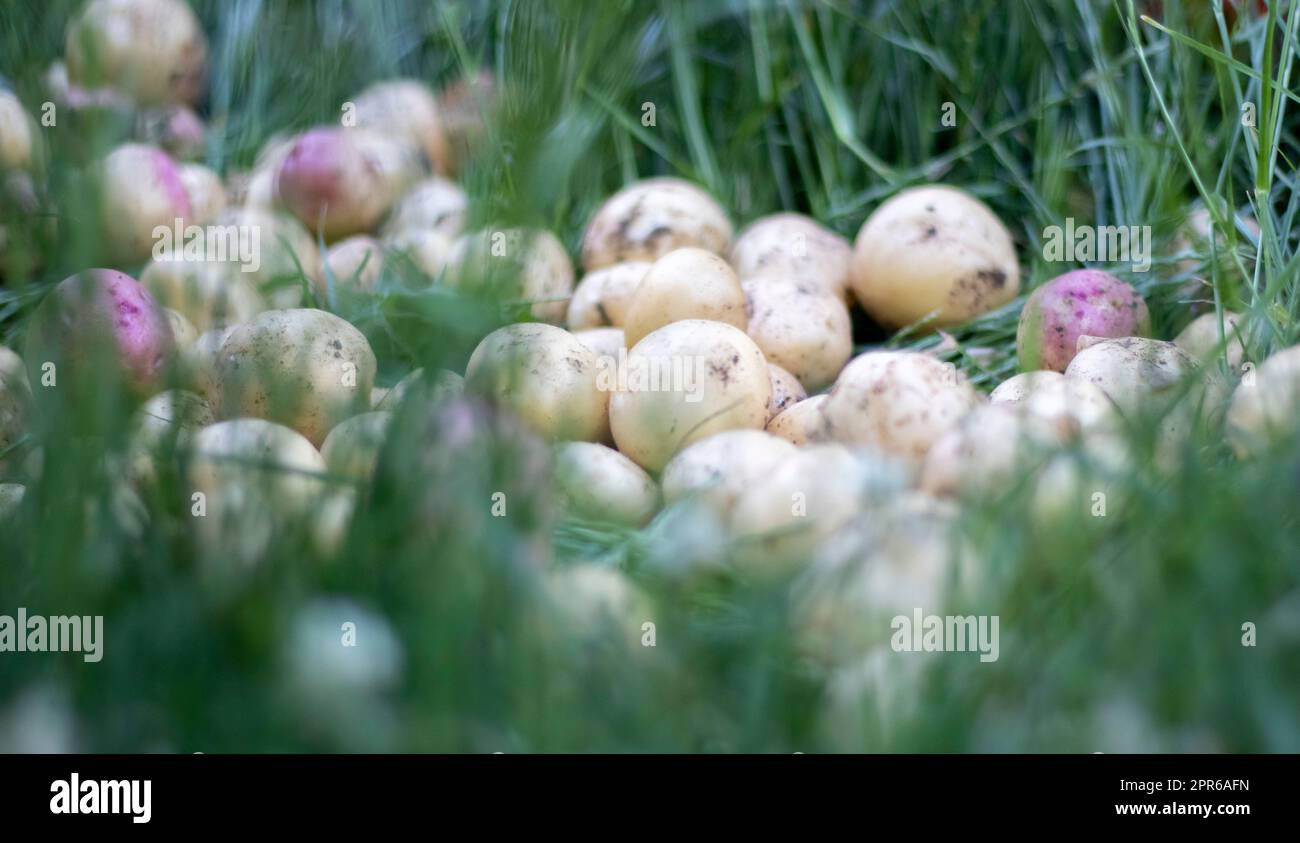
(1118, 633)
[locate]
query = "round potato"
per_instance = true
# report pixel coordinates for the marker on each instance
(445, 385)
(280, 254)
(802, 422)
(427, 249)
(685, 284)
(607, 343)
(933, 250)
(546, 377)
(686, 381)
(1083, 302)
(800, 328)
(602, 298)
(140, 190)
(175, 129)
(1265, 405)
(355, 262)
(1017, 387)
(16, 134)
(200, 363)
(206, 192)
(465, 105)
(899, 402)
(717, 470)
(647, 220)
(599, 483)
(1055, 405)
(794, 246)
(352, 448)
(183, 331)
(435, 204)
(1200, 339)
(786, 391)
(984, 454)
(406, 109)
(207, 293)
(152, 50)
(306, 369)
(516, 264)
(168, 420)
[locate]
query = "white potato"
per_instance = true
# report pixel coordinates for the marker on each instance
(445, 385)
(597, 482)
(800, 328)
(801, 423)
(17, 139)
(786, 391)
(988, 450)
(207, 193)
(794, 246)
(200, 363)
(515, 265)
(1200, 339)
(283, 253)
(426, 248)
(647, 220)
(1056, 405)
(607, 343)
(355, 262)
(685, 284)
(405, 109)
(352, 448)
(168, 420)
(209, 294)
(140, 190)
(154, 51)
(717, 470)
(183, 330)
(1266, 404)
(435, 204)
(603, 297)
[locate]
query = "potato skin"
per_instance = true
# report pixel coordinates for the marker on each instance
(899, 402)
(209, 294)
(407, 109)
(1200, 339)
(350, 256)
(786, 390)
(652, 420)
(602, 297)
(288, 252)
(801, 423)
(15, 404)
(527, 265)
(597, 482)
(206, 193)
(933, 248)
(16, 138)
(717, 470)
(435, 203)
(152, 50)
(545, 376)
(800, 328)
(648, 219)
(304, 368)
(685, 284)
(794, 246)
(1264, 408)
(1085, 302)
(141, 189)
(606, 343)
(352, 448)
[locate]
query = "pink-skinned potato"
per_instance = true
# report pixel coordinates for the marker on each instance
(1084, 302)
(141, 189)
(96, 311)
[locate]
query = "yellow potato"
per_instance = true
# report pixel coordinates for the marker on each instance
(208, 293)
(647, 220)
(515, 265)
(406, 109)
(355, 262)
(152, 50)
(1200, 339)
(794, 246)
(427, 249)
(602, 297)
(802, 422)
(786, 391)
(800, 328)
(685, 284)
(435, 204)
(599, 483)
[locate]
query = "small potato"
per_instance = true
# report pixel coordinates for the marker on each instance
(207, 293)
(152, 50)
(899, 402)
(1083, 302)
(685, 284)
(786, 391)
(427, 249)
(355, 262)
(444, 386)
(256, 189)
(794, 246)
(17, 138)
(717, 470)
(96, 311)
(516, 265)
(599, 483)
(600, 604)
(1266, 404)
(686, 381)
(183, 331)
(607, 343)
(1056, 405)
(175, 129)
(285, 253)
(1017, 387)
(984, 454)
(406, 109)
(546, 377)
(465, 106)
(647, 220)
(602, 298)
(200, 363)
(140, 189)
(1200, 339)
(933, 249)
(168, 420)
(801, 423)
(206, 192)
(1194, 237)
(305, 368)
(800, 328)
(435, 204)
(352, 448)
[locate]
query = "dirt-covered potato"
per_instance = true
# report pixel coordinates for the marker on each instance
(355, 262)
(794, 246)
(352, 448)
(152, 50)
(435, 204)
(175, 129)
(647, 220)
(304, 368)
(1056, 405)
(207, 293)
(800, 328)
(685, 284)
(140, 189)
(99, 311)
(933, 249)
(984, 454)
(206, 192)
(786, 391)
(899, 402)
(515, 265)
(427, 249)
(1084, 302)
(607, 343)
(183, 330)
(17, 137)
(546, 377)
(802, 422)
(286, 253)
(602, 298)
(599, 483)
(1201, 340)
(717, 470)
(1265, 407)
(200, 363)
(1017, 387)
(686, 381)
(405, 109)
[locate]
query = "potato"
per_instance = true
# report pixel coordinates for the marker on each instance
(800, 328)
(15, 406)
(256, 189)
(434, 204)
(465, 106)
(933, 249)
(647, 220)
(200, 363)
(602, 298)
(716, 471)
(801, 423)
(352, 448)
(445, 385)
(17, 137)
(428, 250)
(786, 390)
(684, 382)
(175, 129)
(601, 604)
(11, 499)
(685, 284)
(1200, 340)
(355, 262)
(206, 192)
(287, 253)
(607, 343)
(899, 402)
(1265, 404)
(1017, 387)
(304, 368)
(1056, 405)
(140, 189)
(599, 483)
(1194, 236)
(794, 246)
(984, 454)
(331, 519)
(168, 420)
(98, 311)
(183, 331)
(516, 265)
(152, 50)
(1083, 302)
(207, 293)
(405, 109)
(545, 377)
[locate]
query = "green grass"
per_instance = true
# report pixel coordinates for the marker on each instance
(1118, 633)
